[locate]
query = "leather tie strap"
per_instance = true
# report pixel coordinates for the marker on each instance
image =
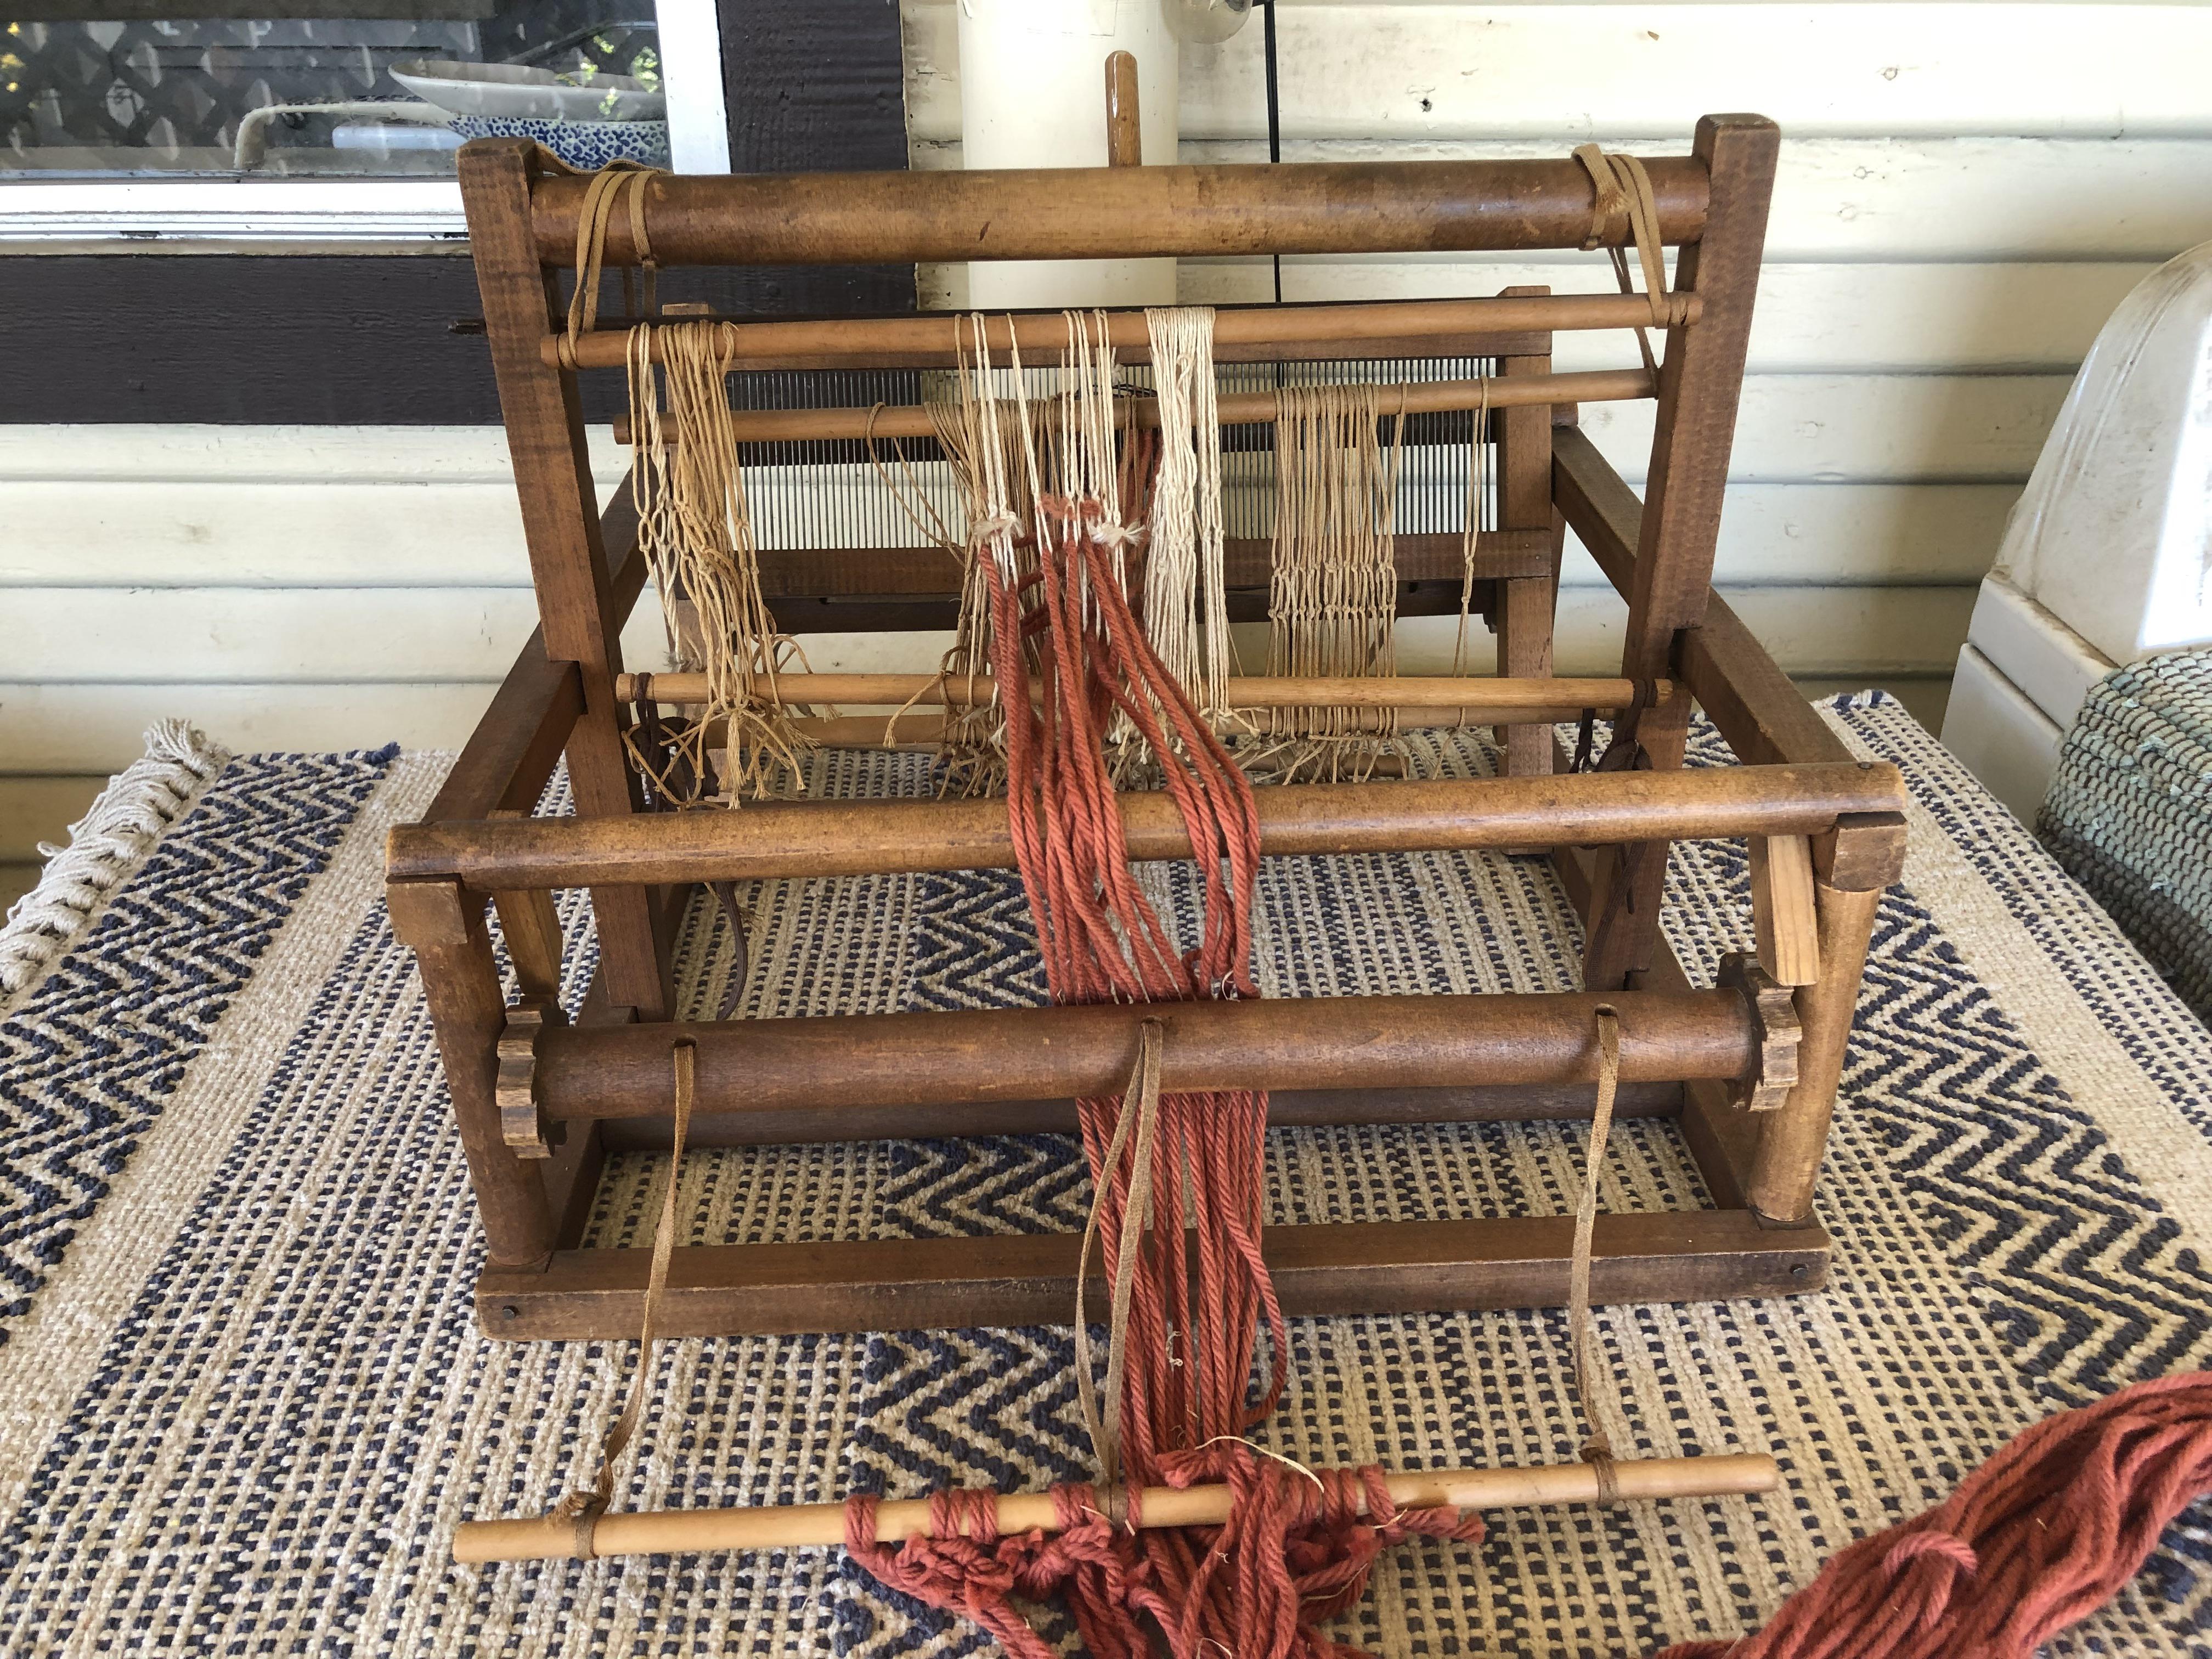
(1624, 211)
(587, 1506)
(604, 196)
(1597, 1449)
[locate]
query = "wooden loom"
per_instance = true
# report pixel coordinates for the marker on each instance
(1749, 1068)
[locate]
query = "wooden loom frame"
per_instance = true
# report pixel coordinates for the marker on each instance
(540, 1104)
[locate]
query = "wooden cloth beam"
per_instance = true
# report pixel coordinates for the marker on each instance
(1027, 1054)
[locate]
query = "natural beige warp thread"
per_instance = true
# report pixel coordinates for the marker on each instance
(695, 532)
(1333, 599)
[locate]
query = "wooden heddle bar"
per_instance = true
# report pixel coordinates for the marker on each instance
(1112, 213)
(934, 341)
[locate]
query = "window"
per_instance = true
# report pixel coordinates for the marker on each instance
(388, 90)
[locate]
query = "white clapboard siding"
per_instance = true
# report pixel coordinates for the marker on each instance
(56, 728)
(1854, 200)
(277, 636)
(466, 540)
(1436, 71)
(34, 808)
(2039, 315)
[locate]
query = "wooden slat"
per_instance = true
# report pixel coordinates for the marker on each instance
(826, 838)
(520, 736)
(1405, 1267)
(1783, 919)
(577, 607)
(1525, 608)
(1753, 702)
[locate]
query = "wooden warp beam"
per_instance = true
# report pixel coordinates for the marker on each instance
(1115, 213)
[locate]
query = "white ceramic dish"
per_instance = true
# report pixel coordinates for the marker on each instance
(514, 91)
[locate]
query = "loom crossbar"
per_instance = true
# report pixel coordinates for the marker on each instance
(871, 838)
(1321, 1271)
(1114, 213)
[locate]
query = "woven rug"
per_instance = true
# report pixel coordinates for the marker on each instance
(2128, 814)
(243, 1401)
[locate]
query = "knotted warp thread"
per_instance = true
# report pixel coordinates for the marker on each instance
(2033, 1541)
(1296, 1549)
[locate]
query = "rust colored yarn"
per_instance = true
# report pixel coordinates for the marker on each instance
(2033, 1541)
(1295, 1550)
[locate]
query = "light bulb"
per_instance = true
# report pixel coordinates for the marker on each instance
(1206, 20)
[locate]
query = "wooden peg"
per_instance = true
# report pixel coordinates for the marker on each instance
(1125, 137)
(522, 1120)
(1782, 908)
(1774, 1024)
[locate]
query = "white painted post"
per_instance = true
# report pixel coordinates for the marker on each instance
(1033, 94)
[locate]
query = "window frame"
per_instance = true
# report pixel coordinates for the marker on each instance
(143, 208)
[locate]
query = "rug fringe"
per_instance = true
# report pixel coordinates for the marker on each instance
(110, 841)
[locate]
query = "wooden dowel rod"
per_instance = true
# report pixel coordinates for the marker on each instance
(822, 1526)
(1608, 385)
(940, 1057)
(1125, 135)
(865, 837)
(1040, 336)
(1112, 213)
(1437, 691)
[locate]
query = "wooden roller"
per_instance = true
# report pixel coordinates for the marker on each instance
(819, 1526)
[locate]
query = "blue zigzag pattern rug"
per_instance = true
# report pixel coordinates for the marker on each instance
(248, 1406)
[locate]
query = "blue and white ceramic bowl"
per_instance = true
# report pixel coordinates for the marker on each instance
(584, 144)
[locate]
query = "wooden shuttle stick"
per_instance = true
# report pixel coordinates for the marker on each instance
(672, 1532)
